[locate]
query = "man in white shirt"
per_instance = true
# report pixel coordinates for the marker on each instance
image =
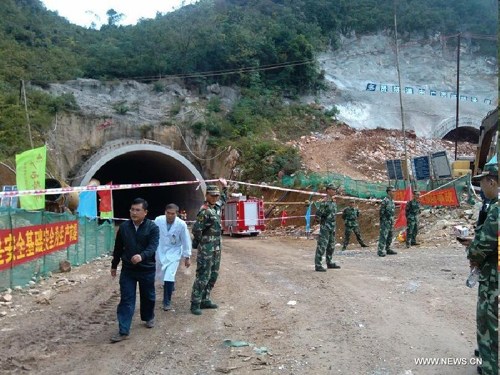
(175, 243)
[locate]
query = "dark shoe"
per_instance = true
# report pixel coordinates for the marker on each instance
(195, 309)
(391, 252)
(150, 323)
(118, 337)
(208, 305)
(415, 244)
(333, 265)
(167, 307)
(381, 254)
(343, 249)
(476, 352)
(364, 245)
(320, 269)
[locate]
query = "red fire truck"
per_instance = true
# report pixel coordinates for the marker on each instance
(243, 215)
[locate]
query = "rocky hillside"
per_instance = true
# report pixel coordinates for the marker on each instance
(361, 154)
(427, 65)
(360, 147)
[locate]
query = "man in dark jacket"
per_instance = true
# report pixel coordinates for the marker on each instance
(136, 243)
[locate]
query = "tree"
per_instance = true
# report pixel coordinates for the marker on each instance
(114, 17)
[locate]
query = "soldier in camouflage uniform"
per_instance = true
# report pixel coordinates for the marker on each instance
(207, 239)
(412, 210)
(483, 254)
(387, 209)
(326, 214)
(350, 216)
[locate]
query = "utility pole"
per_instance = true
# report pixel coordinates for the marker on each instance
(400, 95)
(458, 95)
(23, 91)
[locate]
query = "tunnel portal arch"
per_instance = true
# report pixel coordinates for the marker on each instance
(463, 134)
(468, 129)
(133, 161)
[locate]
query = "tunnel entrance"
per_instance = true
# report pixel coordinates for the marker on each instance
(146, 163)
(463, 134)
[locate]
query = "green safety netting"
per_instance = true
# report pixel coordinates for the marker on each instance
(366, 189)
(94, 240)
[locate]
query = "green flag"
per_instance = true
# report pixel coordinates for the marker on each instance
(30, 175)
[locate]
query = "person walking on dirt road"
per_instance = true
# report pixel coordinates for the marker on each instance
(326, 214)
(175, 243)
(135, 246)
(350, 216)
(412, 210)
(207, 232)
(387, 209)
(483, 254)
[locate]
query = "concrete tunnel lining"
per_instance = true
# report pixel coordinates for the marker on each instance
(146, 163)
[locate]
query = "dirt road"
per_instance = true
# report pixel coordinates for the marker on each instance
(374, 316)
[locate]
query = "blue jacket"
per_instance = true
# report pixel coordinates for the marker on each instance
(130, 242)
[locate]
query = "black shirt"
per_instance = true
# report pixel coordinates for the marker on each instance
(129, 242)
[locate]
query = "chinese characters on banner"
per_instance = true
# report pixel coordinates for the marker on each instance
(30, 175)
(24, 244)
(384, 87)
(399, 195)
(443, 197)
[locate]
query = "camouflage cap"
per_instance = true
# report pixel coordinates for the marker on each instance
(213, 190)
(490, 169)
(389, 188)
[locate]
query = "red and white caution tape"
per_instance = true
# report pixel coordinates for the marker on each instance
(72, 189)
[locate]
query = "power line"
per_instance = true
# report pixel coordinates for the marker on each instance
(259, 68)
(214, 73)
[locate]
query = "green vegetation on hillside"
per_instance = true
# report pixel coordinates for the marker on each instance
(267, 47)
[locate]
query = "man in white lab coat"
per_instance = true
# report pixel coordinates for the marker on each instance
(175, 243)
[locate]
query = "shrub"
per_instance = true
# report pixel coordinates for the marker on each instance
(158, 87)
(121, 107)
(214, 105)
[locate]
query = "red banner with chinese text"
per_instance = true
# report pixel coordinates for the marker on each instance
(400, 195)
(24, 244)
(443, 197)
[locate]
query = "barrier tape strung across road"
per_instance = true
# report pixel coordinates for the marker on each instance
(72, 189)
(265, 186)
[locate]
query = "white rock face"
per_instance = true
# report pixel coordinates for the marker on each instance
(372, 59)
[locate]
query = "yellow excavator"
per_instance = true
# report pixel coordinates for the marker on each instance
(486, 147)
